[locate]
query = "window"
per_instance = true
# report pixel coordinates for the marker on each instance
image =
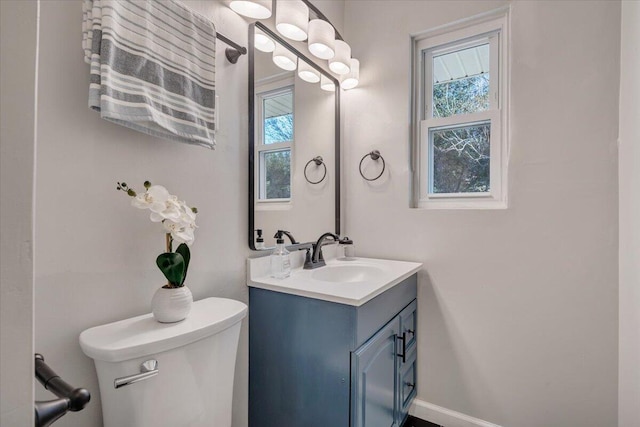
(275, 140)
(461, 137)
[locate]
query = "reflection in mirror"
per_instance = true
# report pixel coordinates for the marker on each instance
(293, 123)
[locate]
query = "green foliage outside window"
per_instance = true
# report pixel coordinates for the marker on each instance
(277, 164)
(461, 155)
(278, 174)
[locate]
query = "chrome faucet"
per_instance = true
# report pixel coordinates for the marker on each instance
(316, 259)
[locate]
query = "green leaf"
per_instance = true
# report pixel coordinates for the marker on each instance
(183, 250)
(173, 267)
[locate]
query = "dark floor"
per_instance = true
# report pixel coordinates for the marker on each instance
(416, 422)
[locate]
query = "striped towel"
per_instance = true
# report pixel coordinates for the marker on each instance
(152, 67)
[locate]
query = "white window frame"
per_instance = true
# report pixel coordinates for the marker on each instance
(491, 29)
(264, 90)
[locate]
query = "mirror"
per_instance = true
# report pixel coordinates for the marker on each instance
(294, 143)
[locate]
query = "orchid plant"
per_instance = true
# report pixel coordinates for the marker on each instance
(179, 223)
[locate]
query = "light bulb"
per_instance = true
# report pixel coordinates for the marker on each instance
(284, 59)
(307, 73)
(339, 64)
(263, 43)
(350, 80)
(292, 19)
(256, 9)
(327, 84)
(321, 39)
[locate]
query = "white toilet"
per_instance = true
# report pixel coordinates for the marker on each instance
(191, 381)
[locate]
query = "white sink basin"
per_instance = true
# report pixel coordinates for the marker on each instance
(346, 273)
(351, 282)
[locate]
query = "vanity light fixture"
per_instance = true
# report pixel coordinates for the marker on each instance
(339, 64)
(257, 9)
(284, 58)
(321, 39)
(292, 19)
(350, 80)
(326, 84)
(264, 43)
(307, 73)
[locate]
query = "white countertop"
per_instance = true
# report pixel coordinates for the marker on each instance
(379, 276)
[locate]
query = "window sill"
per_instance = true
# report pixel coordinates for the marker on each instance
(468, 203)
(273, 205)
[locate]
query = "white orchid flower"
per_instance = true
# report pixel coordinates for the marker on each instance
(170, 226)
(180, 232)
(172, 210)
(187, 214)
(183, 235)
(154, 198)
(177, 218)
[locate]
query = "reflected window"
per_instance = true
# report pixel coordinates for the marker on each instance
(275, 143)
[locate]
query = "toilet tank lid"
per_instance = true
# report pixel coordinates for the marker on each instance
(142, 335)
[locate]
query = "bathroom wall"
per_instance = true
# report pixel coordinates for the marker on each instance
(629, 181)
(518, 308)
(95, 257)
(18, 44)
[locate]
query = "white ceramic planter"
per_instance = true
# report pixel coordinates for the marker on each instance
(170, 305)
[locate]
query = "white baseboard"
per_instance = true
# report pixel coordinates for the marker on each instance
(445, 417)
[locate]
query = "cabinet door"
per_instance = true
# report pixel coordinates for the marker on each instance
(374, 368)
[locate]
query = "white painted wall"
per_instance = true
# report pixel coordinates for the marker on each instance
(629, 182)
(18, 46)
(518, 308)
(95, 260)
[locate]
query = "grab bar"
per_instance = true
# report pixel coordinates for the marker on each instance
(71, 398)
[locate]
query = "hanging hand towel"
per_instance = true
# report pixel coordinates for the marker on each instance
(152, 67)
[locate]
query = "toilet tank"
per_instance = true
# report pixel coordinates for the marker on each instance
(195, 361)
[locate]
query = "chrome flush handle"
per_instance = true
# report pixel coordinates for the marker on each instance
(148, 369)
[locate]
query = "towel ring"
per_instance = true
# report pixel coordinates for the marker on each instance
(375, 155)
(318, 161)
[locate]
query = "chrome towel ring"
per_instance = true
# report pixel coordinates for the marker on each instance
(318, 161)
(375, 155)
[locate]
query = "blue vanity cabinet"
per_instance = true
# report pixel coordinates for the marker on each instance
(317, 363)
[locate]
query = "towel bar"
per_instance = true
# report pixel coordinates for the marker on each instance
(70, 398)
(232, 53)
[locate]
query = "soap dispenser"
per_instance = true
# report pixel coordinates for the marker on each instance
(280, 260)
(259, 240)
(349, 250)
